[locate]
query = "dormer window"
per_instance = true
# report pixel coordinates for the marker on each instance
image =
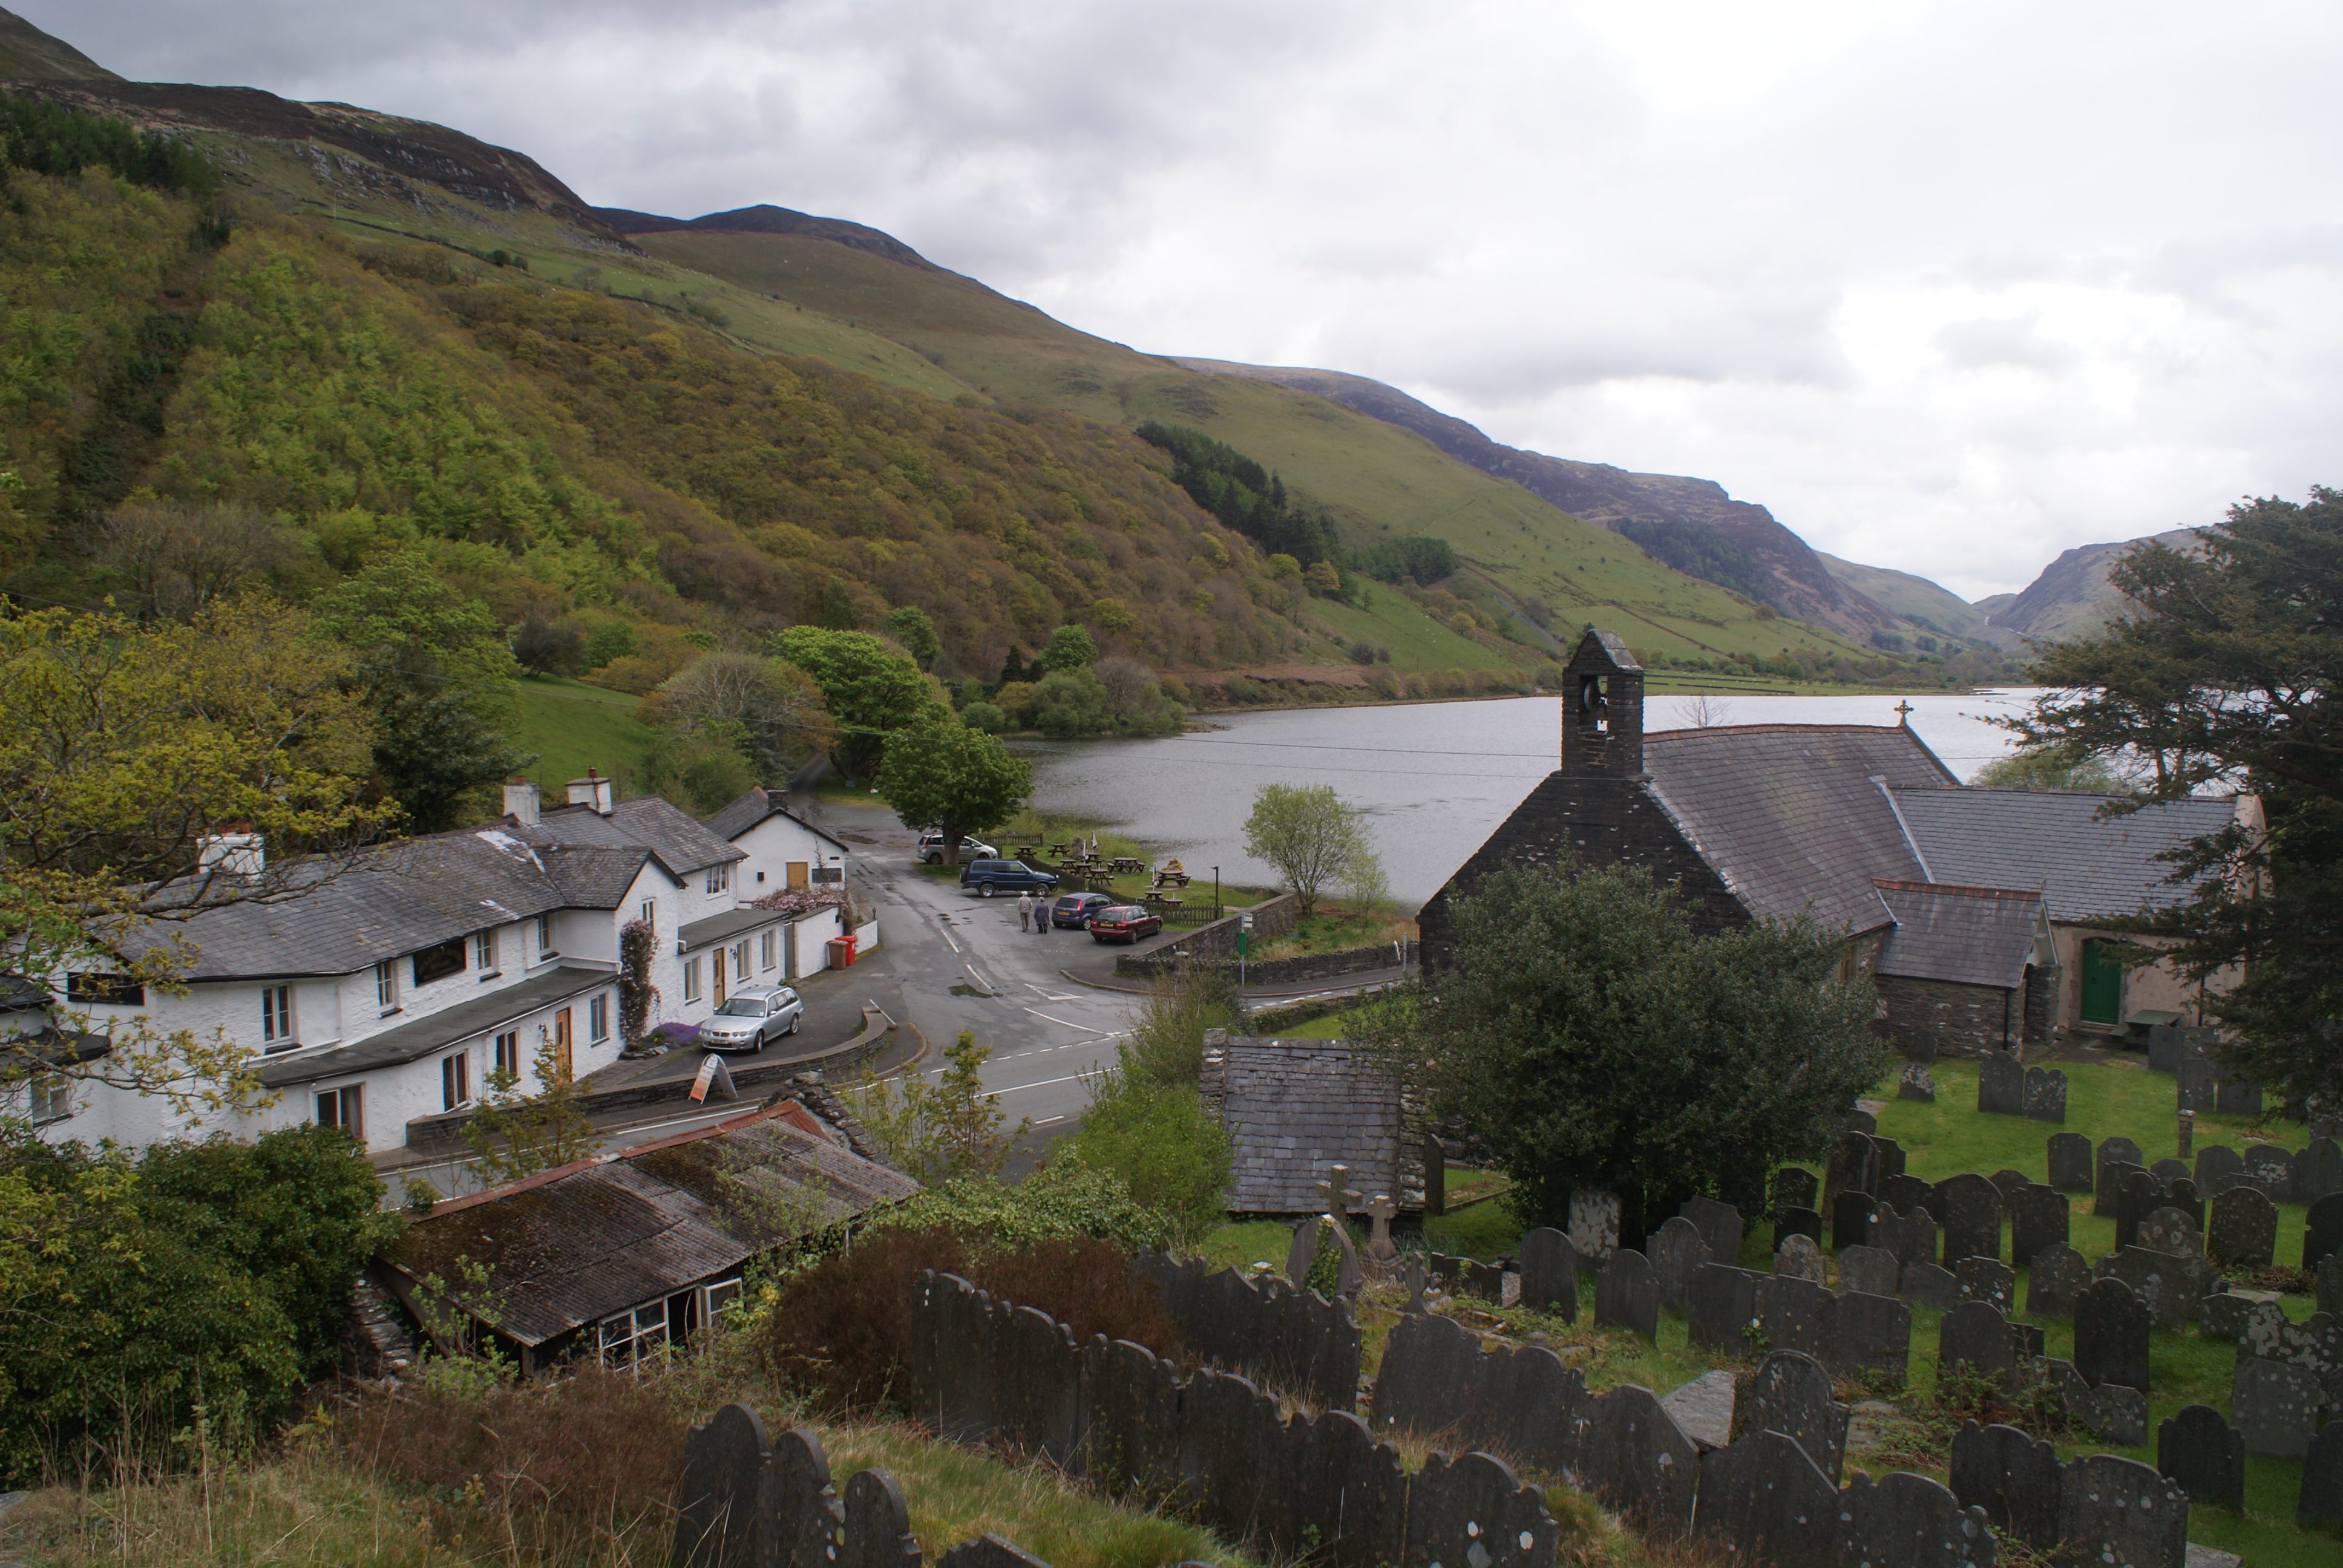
(545, 948)
(720, 878)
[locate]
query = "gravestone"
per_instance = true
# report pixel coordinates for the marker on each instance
(1593, 1224)
(2197, 1089)
(1871, 1270)
(1413, 1276)
(2038, 1217)
(990, 1551)
(2185, 1199)
(1472, 1510)
(2277, 1406)
(2045, 1094)
(2112, 1510)
(1916, 1082)
(1795, 1314)
(1971, 1214)
(1794, 1187)
(1871, 1337)
(2112, 1150)
(1550, 1273)
(2110, 1413)
(1626, 1295)
(1380, 1212)
(2185, 1128)
(2168, 1171)
(1639, 1463)
(2322, 1231)
(1986, 1279)
(1920, 1048)
(1858, 1119)
(1889, 1157)
(1719, 1225)
(1674, 1251)
(2053, 1280)
(1904, 1193)
(878, 1523)
(1303, 1250)
(1703, 1409)
(1763, 1500)
(808, 1519)
(2108, 1204)
(2008, 1183)
(2012, 1477)
(1799, 1259)
(2139, 1195)
(2236, 1097)
(716, 1500)
(2001, 1085)
(2320, 1501)
(1790, 1393)
(1851, 1219)
(2318, 1170)
(2169, 1230)
(2071, 1169)
(2217, 1162)
(2163, 1048)
(1930, 1288)
(2243, 1228)
(1796, 1221)
(2205, 1454)
(1975, 1333)
(1724, 1307)
(2330, 1284)
(2270, 1167)
(2169, 1285)
(2111, 1326)
(1910, 1519)
(2246, 1321)
(1853, 1167)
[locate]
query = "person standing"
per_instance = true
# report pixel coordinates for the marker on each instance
(1025, 911)
(1041, 914)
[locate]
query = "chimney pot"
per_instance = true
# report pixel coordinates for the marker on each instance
(236, 853)
(593, 790)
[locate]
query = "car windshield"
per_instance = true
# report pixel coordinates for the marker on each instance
(1124, 912)
(743, 1007)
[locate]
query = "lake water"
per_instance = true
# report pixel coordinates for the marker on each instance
(1433, 778)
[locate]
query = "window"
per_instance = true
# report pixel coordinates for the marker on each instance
(723, 1293)
(765, 952)
(691, 979)
(508, 1054)
(545, 948)
(386, 986)
(439, 962)
(740, 960)
(720, 878)
(650, 913)
(52, 1098)
(276, 1017)
(455, 1080)
(598, 1016)
(484, 953)
(99, 990)
(344, 1108)
(631, 1338)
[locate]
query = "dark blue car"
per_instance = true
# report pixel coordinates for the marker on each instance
(991, 877)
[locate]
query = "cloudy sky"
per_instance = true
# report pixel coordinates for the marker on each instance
(1950, 287)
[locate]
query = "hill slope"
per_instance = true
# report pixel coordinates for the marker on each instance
(1917, 600)
(2073, 597)
(27, 52)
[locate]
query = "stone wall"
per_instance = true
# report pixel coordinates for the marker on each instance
(1214, 939)
(1330, 966)
(1956, 1020)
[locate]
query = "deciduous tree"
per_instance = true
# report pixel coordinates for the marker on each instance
(871, 690)
(1314, 839)
(940, 773)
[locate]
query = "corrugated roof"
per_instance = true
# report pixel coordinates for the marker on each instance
(1294, 1107)
(479, 1015)
(572, 1246)
(1788, 814)
(1965, 936)
(2087, 867)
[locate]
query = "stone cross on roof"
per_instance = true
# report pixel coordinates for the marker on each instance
(1903, 712)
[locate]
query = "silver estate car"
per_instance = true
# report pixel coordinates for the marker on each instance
(752, 1016)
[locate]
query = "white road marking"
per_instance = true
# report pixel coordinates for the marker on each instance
(1013, 1088)
(1047, 1119)
(1067, 1023)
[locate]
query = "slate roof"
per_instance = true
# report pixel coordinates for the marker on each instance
(752, 808)
(571, 1246)
(1966, 936)
(1294, 1107)
(668, 831)
(482, 1014)
(1788, 814)
(726, 926)
(2085, 867)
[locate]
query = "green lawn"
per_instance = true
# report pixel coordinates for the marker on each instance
(568, 727)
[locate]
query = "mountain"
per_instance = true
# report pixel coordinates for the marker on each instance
(2073, 597)
(1929, 606)
(27, 52)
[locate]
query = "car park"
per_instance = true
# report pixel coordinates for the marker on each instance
(1124, 923)
(752, 1016)
(932, 848)
(1072, 912)
(986, 878)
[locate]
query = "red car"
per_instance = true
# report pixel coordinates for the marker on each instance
(1125, 923)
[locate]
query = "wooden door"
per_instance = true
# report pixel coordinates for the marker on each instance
(2102, 984)
(561, 1042)
(789, 952)
(798, 876)
(719, 977)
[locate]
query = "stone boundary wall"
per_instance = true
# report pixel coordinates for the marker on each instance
(1212, 940)
(1331, 966)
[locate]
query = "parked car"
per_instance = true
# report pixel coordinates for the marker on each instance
(932, 848)
(1124, 923)
(1072, 912)
(752, 1016)
(991, 877)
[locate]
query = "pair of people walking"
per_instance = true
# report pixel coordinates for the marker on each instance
(1032, 914)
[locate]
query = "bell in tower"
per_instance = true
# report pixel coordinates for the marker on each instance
(1603, 708)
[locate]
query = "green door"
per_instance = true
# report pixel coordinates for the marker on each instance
(2102, 984)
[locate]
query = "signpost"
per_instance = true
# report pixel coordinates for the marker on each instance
(1244, 936)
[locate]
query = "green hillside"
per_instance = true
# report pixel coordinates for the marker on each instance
(568, 727)
(1915, 598)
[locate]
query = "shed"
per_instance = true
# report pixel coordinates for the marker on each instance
(1963, 966)
(1293, 1107)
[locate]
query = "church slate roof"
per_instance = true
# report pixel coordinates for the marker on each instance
(1790, 816)
(1294, 1107)
(1966, 936)
(2086, 866)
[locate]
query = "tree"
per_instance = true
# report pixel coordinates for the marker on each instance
(871, 690)
(1314, 839)
(910, 625)
(2041, 770)
(513, 1134)
(1590, 1038)
(433, 665)
(1068, 703)
(940, 1131)
(944, 774)
(1069, 647)
(2223, 674)
(177, 559)
(775, 710)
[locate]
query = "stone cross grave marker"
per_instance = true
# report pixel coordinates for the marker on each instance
(1382, 1210)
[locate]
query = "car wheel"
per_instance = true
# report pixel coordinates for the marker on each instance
(984, 890)
(935, 860)
(794, 1023)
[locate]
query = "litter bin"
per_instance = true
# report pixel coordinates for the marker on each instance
(841, 951)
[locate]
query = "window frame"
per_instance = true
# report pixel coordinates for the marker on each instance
(506, 1047)
(439, 961)
(719, 878)
(276, 1018)
(598, 1017)
(637, 1328)
(691, 988)
(350, 1110)
(455, 1078)
(545, 948)
(484, 953)
(49, 1098)
(101, 988)
(768, 946)
(386, 986)
(648, 913)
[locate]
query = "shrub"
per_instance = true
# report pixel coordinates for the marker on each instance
(1068, 703)
(1164, 1144)
(984, 716)
(1060, 1200)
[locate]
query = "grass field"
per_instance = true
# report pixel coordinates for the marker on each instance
(568, 727)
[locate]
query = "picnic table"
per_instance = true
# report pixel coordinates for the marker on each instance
(1027, 852)
(1170, 878)
(1125, 864)
(1161, 900)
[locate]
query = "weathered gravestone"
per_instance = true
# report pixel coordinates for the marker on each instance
(2168, 1171)
(1930, 1288)
(2185, 1199)
(2320, 1501)
(1703, 1409)
(1986, 1279)
(1796, 1221)
(2110, 1413)
(2055, 1277)
(2140, 1195)
(1853, 1167)
(2169, 1230)
(2112, 1510)
(2249, 1323)
(1302, 1252)
(2277, 1406)
(2169, 1285)
(1674, 1251)
(1593, 1224)
(1797, 1258)
(2203, 1454)
(2111, 1326)
(1916, 1082)
(1627, 1295)
(1890, 1157)
(2039, 1217)
(2236, 1097)
(2071, 1170)
(2045, 1094)
(1794, 1187)
(2008, 1182)
(2322, 1231)
(1723, 1308)
(1872, 1270)
(1906, 1194)
(2216, 1165)
(1970, 1211)
(1907, 1519)
(878, 1523)
(1851, 1219)
(2330, 1284)
(1639, 1463)
(1719, 1225)
(1763, 1501)
(2113, 1152)
(724, 1462)
(1472, 1510)
(2198, 1087)
(2270, 1167)
(2243, 1228)
(1859, 1119)
(1550, 1273)
(1795, 1314)
(990, 1551)
(2012, 1477)
(1790, 1393)
(2318, 1170)
(2164, 1048)
(2001, 1084)
(1871, 1337)
(1976, 1334)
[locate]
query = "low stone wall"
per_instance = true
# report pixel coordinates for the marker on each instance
(1941, 1018)
(1330, 966)
(1214, 940)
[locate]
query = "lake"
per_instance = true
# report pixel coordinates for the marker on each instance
(1433, 778)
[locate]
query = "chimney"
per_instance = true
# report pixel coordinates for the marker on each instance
(593, 790)
(521, 802)
(236, 853)
(1603, 708)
